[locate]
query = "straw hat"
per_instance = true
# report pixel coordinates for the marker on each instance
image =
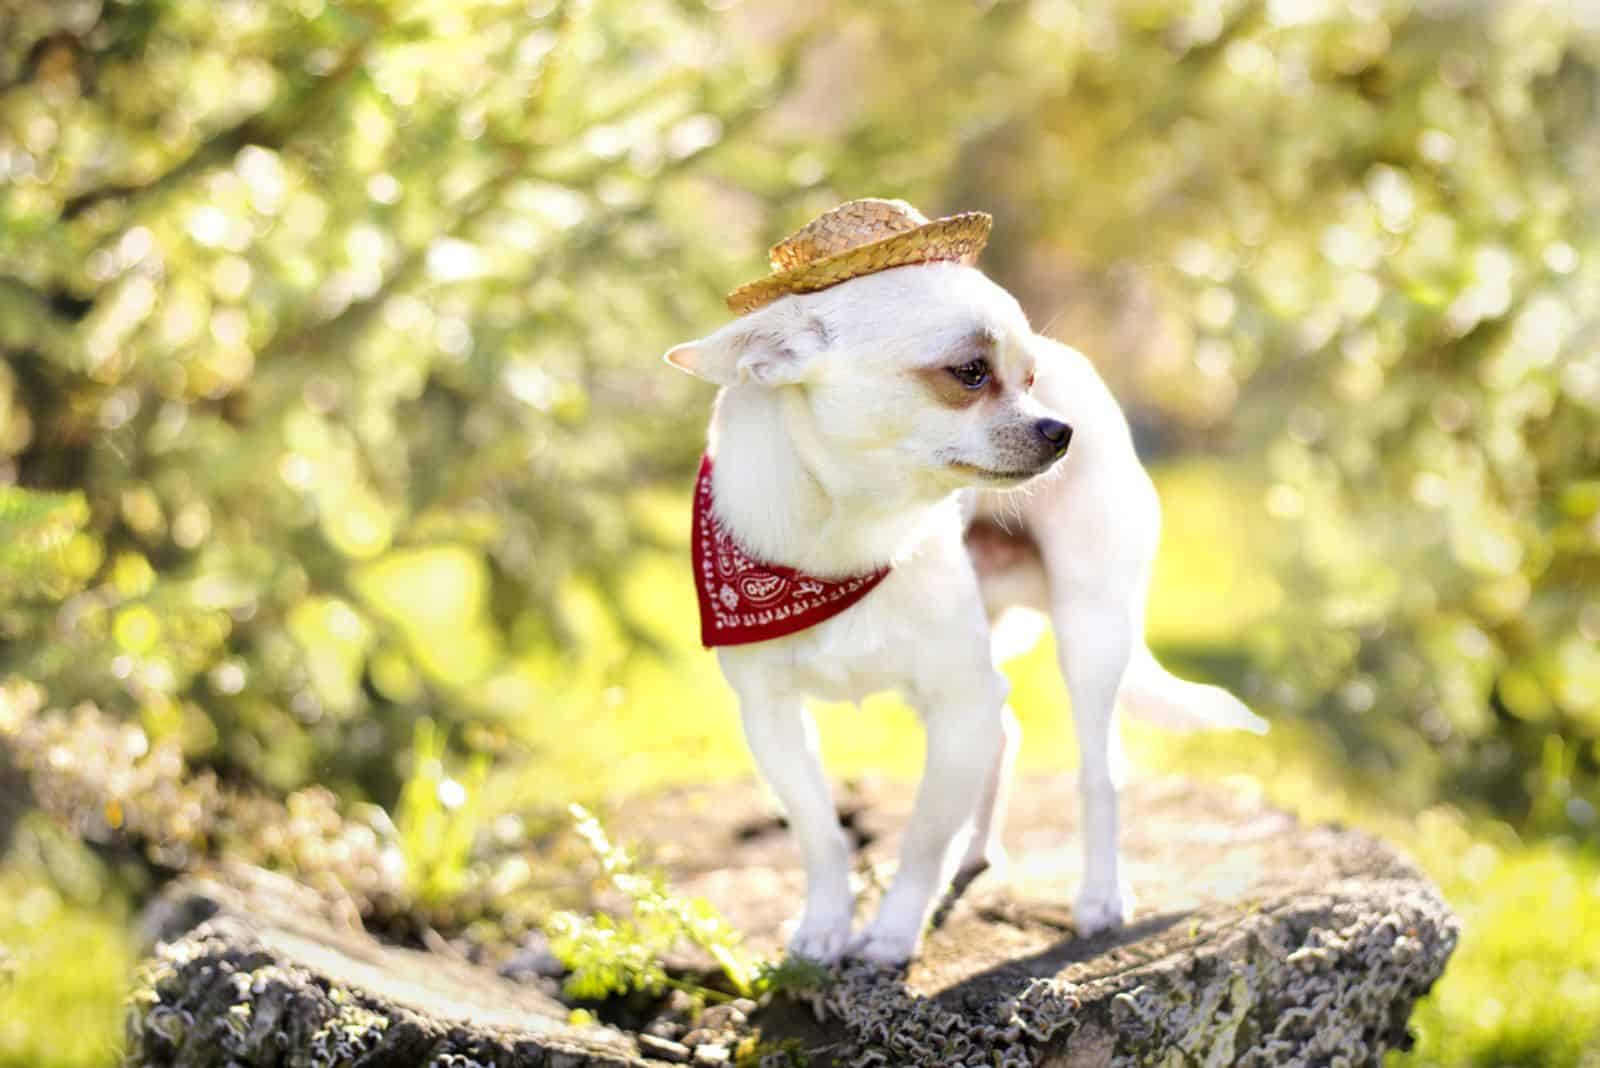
(862, 237)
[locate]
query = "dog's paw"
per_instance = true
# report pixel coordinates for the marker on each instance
(883, 946)
(823, 940)
(1102, 909)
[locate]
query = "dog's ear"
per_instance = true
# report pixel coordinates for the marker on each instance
(773, 346)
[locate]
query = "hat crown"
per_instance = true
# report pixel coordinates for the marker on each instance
(850, 225)
(862, 237)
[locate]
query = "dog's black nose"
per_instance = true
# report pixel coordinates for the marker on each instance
(1055, 433)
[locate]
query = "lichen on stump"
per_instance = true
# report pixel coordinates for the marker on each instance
(269, 977)
(1258, 942)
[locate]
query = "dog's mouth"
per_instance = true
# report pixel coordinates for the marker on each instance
(988, 474)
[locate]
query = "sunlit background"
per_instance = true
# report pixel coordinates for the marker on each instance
(343, 496)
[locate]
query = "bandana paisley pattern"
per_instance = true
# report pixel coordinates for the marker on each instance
(745, 600)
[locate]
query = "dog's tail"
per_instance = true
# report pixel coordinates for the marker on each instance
(1153, 694)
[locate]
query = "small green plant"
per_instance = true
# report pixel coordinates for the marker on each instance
(616, 955)
(437, 818)
(792, 975)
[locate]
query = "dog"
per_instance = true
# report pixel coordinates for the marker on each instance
(903, 428)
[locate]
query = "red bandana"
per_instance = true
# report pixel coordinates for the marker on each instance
(744, 600)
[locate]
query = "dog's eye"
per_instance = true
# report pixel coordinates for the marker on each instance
(973, 374)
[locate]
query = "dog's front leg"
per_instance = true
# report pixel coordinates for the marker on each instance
(783, 740)
(1095, 636)
(965, 738)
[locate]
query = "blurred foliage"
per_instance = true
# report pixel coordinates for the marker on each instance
(338, 317)
(436, 820)
(1358, 244)
(37, 533)
(332, 438)
(441, 864)
(328, 329)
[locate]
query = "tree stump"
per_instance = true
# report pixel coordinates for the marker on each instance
(1258, 942)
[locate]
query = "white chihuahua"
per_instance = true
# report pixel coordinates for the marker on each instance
(879, 409)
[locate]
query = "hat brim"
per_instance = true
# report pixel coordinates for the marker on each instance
(957, 238)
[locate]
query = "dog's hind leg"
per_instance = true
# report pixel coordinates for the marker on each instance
(1095, 634)
(965, 737)
(985, 852)
(783, 740)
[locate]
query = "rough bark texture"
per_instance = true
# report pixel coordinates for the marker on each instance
(1258, 942)
(267, 978)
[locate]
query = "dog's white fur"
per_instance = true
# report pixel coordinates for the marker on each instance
(838, 450)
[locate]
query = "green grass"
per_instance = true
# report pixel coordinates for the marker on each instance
(1522, 989)
(62, 1005)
